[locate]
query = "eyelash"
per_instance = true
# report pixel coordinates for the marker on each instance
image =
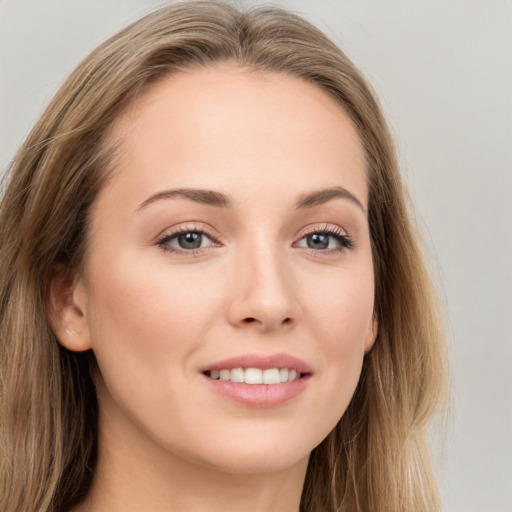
(344, 240)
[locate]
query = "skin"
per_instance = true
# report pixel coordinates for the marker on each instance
(154, 317)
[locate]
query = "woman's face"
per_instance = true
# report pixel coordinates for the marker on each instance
(232, 235)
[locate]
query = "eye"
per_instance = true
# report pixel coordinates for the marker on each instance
(331, 239)
(185, 241)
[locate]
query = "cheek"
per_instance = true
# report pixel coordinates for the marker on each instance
(341, 309)
(143, 319)
(152, 298)
(342, 321)
(147, 324)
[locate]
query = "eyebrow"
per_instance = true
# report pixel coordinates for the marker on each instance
(198, 195)
(319, 197)
(220, 200)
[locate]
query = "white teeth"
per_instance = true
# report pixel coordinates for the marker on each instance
(292, 375)
(256, 375)
(237, 375)
(271, 376)
(253, 376)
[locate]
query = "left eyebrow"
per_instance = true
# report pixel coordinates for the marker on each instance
(319, 197)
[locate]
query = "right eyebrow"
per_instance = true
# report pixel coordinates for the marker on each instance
(208, 197)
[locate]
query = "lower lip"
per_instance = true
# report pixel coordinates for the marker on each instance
(259, 395)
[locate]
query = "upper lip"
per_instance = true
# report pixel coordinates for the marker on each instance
(262, 361)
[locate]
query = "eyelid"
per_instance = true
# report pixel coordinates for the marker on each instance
(324, 227)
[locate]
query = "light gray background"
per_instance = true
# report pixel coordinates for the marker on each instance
(442, 69)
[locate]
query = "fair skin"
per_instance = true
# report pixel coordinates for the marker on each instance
(271, 267)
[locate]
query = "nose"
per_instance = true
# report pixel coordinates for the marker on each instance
(263, 291)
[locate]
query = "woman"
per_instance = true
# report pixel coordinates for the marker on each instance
(212, 295)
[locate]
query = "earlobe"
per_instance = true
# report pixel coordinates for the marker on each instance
(66, 310)
(372, 334)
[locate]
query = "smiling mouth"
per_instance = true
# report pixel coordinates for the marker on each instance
(256, 375)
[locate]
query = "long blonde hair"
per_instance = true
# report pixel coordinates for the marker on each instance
(376, 458)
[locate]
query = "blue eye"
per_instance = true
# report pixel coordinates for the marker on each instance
(191, 240)
(331, 239)
(185, 241)
(318, 241)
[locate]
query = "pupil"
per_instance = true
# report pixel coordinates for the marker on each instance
(318, 241)
(190, 240)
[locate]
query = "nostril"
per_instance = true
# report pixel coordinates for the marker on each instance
(251, 320)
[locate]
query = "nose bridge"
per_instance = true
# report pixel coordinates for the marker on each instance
(263, 289)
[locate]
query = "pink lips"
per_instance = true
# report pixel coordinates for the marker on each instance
(260, 395)
(260, 361)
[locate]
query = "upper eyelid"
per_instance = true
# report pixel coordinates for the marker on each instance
(180, 228)
(324, 227)
(200, 227)
(332, 229)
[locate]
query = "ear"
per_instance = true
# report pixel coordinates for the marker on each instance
(66, 309)
(373, 329)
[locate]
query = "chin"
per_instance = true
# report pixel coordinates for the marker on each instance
(255, 452)
(257, 462)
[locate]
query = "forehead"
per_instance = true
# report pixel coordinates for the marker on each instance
(236, 128)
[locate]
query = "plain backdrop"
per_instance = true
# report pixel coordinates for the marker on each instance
(442, 70)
